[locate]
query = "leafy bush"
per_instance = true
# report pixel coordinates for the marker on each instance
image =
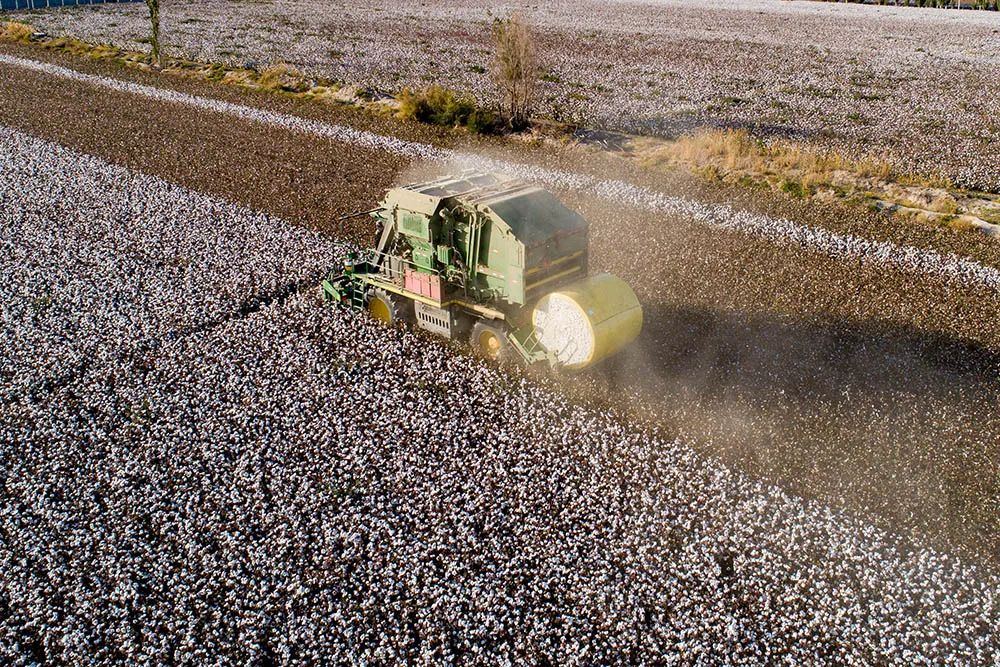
(439, 106)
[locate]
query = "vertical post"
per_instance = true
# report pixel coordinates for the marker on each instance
(154, 35)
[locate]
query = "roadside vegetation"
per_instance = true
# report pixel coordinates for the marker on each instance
(803, 171)
(440, 106)
(515, 72)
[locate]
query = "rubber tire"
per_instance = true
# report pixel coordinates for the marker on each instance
(501, 351)
(393, 310)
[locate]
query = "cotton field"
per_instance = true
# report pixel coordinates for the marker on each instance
(245, 475)
(790, 456)
(91, 277)
(917, 87)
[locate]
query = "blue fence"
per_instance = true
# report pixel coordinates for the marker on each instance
(43, 4)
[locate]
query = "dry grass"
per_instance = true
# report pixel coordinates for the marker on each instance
(14, 30)
(283, 78)
(737, 151)
(801, 171)
(990, 216)
(945, 204)
(82, 49)
(958, 224)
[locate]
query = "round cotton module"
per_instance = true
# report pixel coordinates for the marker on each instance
(587, 321)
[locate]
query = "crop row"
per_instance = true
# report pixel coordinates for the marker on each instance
(114, 263)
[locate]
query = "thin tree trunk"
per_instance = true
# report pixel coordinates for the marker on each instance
(154, 32)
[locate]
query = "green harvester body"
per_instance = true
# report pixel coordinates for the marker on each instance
(466, 249)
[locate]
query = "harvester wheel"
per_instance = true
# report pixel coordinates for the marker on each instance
(387, 308)
(491, 341)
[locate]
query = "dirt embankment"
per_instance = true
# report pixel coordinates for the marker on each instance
(867, 388)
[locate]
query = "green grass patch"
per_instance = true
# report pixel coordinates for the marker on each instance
(794, 188)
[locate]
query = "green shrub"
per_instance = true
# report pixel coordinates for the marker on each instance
(794, 188)
(439, 106)
(482, 121)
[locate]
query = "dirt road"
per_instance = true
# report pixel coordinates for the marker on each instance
(861, 385)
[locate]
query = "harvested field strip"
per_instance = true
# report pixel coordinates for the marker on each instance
(950, 267)
(411, 149)
(301, 485)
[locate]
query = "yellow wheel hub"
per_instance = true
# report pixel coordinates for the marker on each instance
(379, 309)
(489, 343)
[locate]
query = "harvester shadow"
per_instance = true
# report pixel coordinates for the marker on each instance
(714, 350)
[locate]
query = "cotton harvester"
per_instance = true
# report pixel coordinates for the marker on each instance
(493, 260)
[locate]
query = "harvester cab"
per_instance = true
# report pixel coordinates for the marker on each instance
(495, 261)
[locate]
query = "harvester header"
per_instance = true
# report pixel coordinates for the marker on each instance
(494, 260)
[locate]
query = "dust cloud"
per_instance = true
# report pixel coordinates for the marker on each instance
(838, 381)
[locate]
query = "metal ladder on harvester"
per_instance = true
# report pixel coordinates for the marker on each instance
(357, 299)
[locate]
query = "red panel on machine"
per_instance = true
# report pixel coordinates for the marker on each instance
(423, 284)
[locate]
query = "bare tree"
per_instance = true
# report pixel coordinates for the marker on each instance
(154, 32)
(515, 68)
